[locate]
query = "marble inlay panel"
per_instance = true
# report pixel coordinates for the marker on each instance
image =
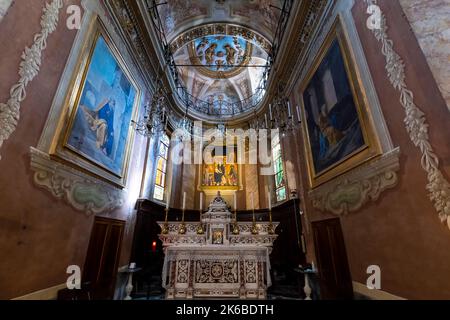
(430, 21)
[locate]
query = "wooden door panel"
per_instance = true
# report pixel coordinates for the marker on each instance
(334, 272)
(102, 259)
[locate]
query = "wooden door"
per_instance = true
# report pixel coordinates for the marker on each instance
(334, 272)
(102, 260)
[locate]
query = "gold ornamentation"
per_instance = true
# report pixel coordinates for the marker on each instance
(182, 229)
(271, 229)
(235, 230)
(165, 228)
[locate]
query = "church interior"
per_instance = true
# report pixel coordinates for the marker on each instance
(226, 149)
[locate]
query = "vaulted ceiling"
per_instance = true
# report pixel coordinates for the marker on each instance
(180, 15)
(222, 68)
(220, 57)
(217, 51)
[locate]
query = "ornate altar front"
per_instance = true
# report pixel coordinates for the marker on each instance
(217, 257)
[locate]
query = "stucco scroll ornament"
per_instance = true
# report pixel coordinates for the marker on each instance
(416, 123)
(80, 190)
(28, 70)
(351, 191)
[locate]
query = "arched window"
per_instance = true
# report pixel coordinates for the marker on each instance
(161, 168)
(278, 168)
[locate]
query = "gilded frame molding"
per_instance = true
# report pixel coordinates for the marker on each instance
(372, 148)
(59, 148)
(214, 189)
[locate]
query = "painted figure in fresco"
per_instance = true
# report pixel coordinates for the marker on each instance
(101, 121)
(210, 53)
(220, 64)
(237, 45)
(231, 54)
(201, 48)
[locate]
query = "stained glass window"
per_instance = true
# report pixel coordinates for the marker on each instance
(161, 167)
(280, 184)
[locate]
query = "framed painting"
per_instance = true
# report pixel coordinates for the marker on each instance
(223, 171)
(103, 103)
(337, 125)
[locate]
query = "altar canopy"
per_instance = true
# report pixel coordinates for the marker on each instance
(217, 258)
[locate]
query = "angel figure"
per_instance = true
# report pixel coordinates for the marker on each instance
(231, 55)
(210, 53)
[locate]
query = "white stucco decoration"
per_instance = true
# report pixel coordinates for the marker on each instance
(28, 70)
(415, 122)
(4, 6)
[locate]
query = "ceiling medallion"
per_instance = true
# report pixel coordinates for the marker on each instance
(219, 56)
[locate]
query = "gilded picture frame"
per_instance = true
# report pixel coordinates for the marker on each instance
(95, 131)
(219, 175)
(336, 120)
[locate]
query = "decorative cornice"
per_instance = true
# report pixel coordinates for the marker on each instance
(415, 122)
(351, 191)
(81, 191)
(28, 70)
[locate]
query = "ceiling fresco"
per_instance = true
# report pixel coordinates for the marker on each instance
(220, 71)
(180, 15)
(220, 53)
(221, 50)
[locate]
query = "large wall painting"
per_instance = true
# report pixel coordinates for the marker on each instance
(338, 129)
(222, 172)
(103, 104)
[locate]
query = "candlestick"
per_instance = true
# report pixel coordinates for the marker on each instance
(252, 200)
(254, 226)
(267, 123)
(167, 199)
(235, 224)
(182, 229)
(200, 229)
(289, 109)
(165, 228)
(298, 114)
(253, 207)
(270, 229)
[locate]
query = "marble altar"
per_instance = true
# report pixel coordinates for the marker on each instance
(217, 257)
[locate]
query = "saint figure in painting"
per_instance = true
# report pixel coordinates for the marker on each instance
(101, 121)
(232, 175)
(219, 174)
(330, 135)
